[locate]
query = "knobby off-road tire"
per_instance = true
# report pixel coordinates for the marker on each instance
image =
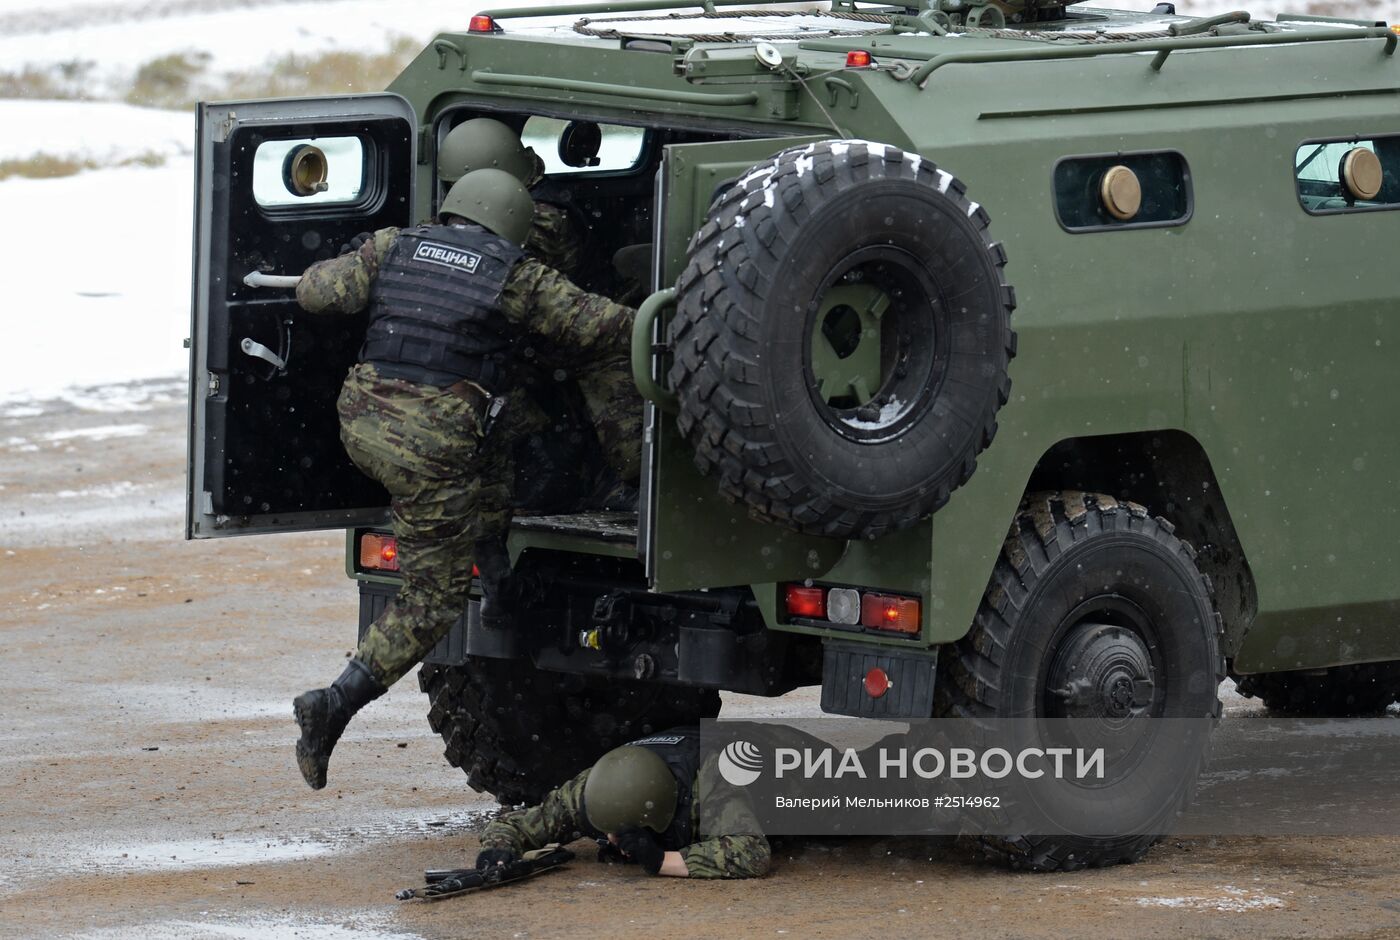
(1344, 691)
(1085, 579)
(841, 339)
(518, 732)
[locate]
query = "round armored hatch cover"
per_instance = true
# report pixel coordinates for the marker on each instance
(1361, 171)
(1121, 193)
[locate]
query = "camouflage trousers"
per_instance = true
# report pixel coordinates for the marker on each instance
(615, 408)
(449, 488)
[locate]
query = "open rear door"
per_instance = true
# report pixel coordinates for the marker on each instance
(690, 535)
(279, 186)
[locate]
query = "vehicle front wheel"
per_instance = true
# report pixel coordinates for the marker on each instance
(1096, 620)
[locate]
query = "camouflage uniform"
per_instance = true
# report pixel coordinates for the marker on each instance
(613, 403)
(449, 485)
(734, 849)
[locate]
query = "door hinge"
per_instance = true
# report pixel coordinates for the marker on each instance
(213, 384)
(224, 128)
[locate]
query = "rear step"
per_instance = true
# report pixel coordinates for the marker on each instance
(605, 526)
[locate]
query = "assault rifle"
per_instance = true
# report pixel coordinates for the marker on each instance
(450, 882)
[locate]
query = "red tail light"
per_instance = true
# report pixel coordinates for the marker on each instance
(482, 24)
(858, 59)
(889, 612)
(379, 552)
(806, 601)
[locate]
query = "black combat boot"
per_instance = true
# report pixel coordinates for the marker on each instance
(324, 713)
(498, 589)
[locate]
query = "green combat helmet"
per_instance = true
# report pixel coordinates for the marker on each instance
(630, 786)
(493, 199)
(484, 143)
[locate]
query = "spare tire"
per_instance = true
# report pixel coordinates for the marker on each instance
(841, 339)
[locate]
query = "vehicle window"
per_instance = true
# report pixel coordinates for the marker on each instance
(1126, 190)
(583, 146)
(1348, 175)
(310, 171)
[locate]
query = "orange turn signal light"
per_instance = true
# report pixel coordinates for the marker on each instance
(890, 612)
(379, 552)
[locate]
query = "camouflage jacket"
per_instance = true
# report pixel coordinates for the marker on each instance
(576, 327)
(554, 239)
(734, 849)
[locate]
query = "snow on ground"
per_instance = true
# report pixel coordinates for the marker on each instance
(104, 132)
(97, 272)
(235, 37)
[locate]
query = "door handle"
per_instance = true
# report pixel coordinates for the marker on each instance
(259, 279)
(643, 327)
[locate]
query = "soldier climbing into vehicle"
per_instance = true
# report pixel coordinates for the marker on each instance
(557, 237)
(460, 321)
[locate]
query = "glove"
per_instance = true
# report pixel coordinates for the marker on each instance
(490, 858)
(610, 854)
(356, 243)
(643, 847)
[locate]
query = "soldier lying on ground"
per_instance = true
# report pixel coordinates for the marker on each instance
(644, 798)
(459, 321)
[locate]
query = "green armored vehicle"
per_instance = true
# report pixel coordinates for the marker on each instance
(862, 470)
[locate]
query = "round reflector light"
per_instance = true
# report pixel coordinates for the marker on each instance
(877, 682)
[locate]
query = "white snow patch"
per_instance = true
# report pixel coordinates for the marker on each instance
(112, 308)
(98, 434)
(234, 35)
(104, 132)
(972, 208)
(339, 925)
(944, 180)
(1232, 900)
(890, 412)
(105, 491)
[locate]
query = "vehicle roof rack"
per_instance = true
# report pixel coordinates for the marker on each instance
(1164, 47)
(640, 6)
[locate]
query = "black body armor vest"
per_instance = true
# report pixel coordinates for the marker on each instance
(680, 749)
(434, 310)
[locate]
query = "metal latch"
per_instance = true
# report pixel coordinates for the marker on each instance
(258, 351)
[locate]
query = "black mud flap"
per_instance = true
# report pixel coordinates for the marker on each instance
(877, 682)
(466, 638)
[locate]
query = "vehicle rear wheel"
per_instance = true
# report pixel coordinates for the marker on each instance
(1342, 691)
(518, 732)
(841, 339)
(1096, 619)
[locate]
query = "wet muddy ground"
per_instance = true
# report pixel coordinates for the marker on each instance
(147, 787)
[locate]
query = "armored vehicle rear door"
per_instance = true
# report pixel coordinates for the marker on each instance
(690, 535)
(280, 185)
